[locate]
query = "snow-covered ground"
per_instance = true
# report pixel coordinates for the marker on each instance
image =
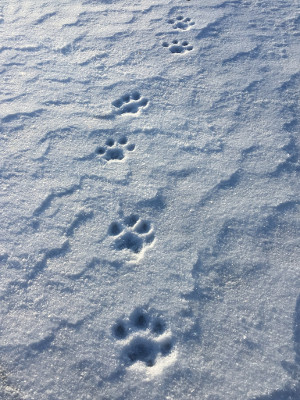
(149, 199)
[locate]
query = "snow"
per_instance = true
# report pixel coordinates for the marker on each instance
(149, 200)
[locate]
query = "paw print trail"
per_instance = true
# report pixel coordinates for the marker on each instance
(115, 150)
(178, 47)
(132, 234)
(181, 23)
(145, 339)
(129, 104)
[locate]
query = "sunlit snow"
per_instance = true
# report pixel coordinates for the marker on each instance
(149, 200)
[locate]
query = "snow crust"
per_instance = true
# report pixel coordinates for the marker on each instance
(149, 201)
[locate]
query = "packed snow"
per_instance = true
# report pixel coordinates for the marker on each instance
(150, 199)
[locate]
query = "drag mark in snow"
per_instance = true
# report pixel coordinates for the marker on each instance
(114, 151)
(177, 47)
(46, 203)
(45, 18)
(145, 339)
(224, 184)
(129, 103)
(80, 219)
(22, 115)
(133, 234)
(212, 29)
(39, 267)
(243, 56)
(181, 23)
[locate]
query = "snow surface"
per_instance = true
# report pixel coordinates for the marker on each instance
(150, 199)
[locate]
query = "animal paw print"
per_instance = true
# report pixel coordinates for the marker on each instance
(113, 150)
(177, 47)
(133, 234)
(145, 338)
(130, 103)
(181, 23)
